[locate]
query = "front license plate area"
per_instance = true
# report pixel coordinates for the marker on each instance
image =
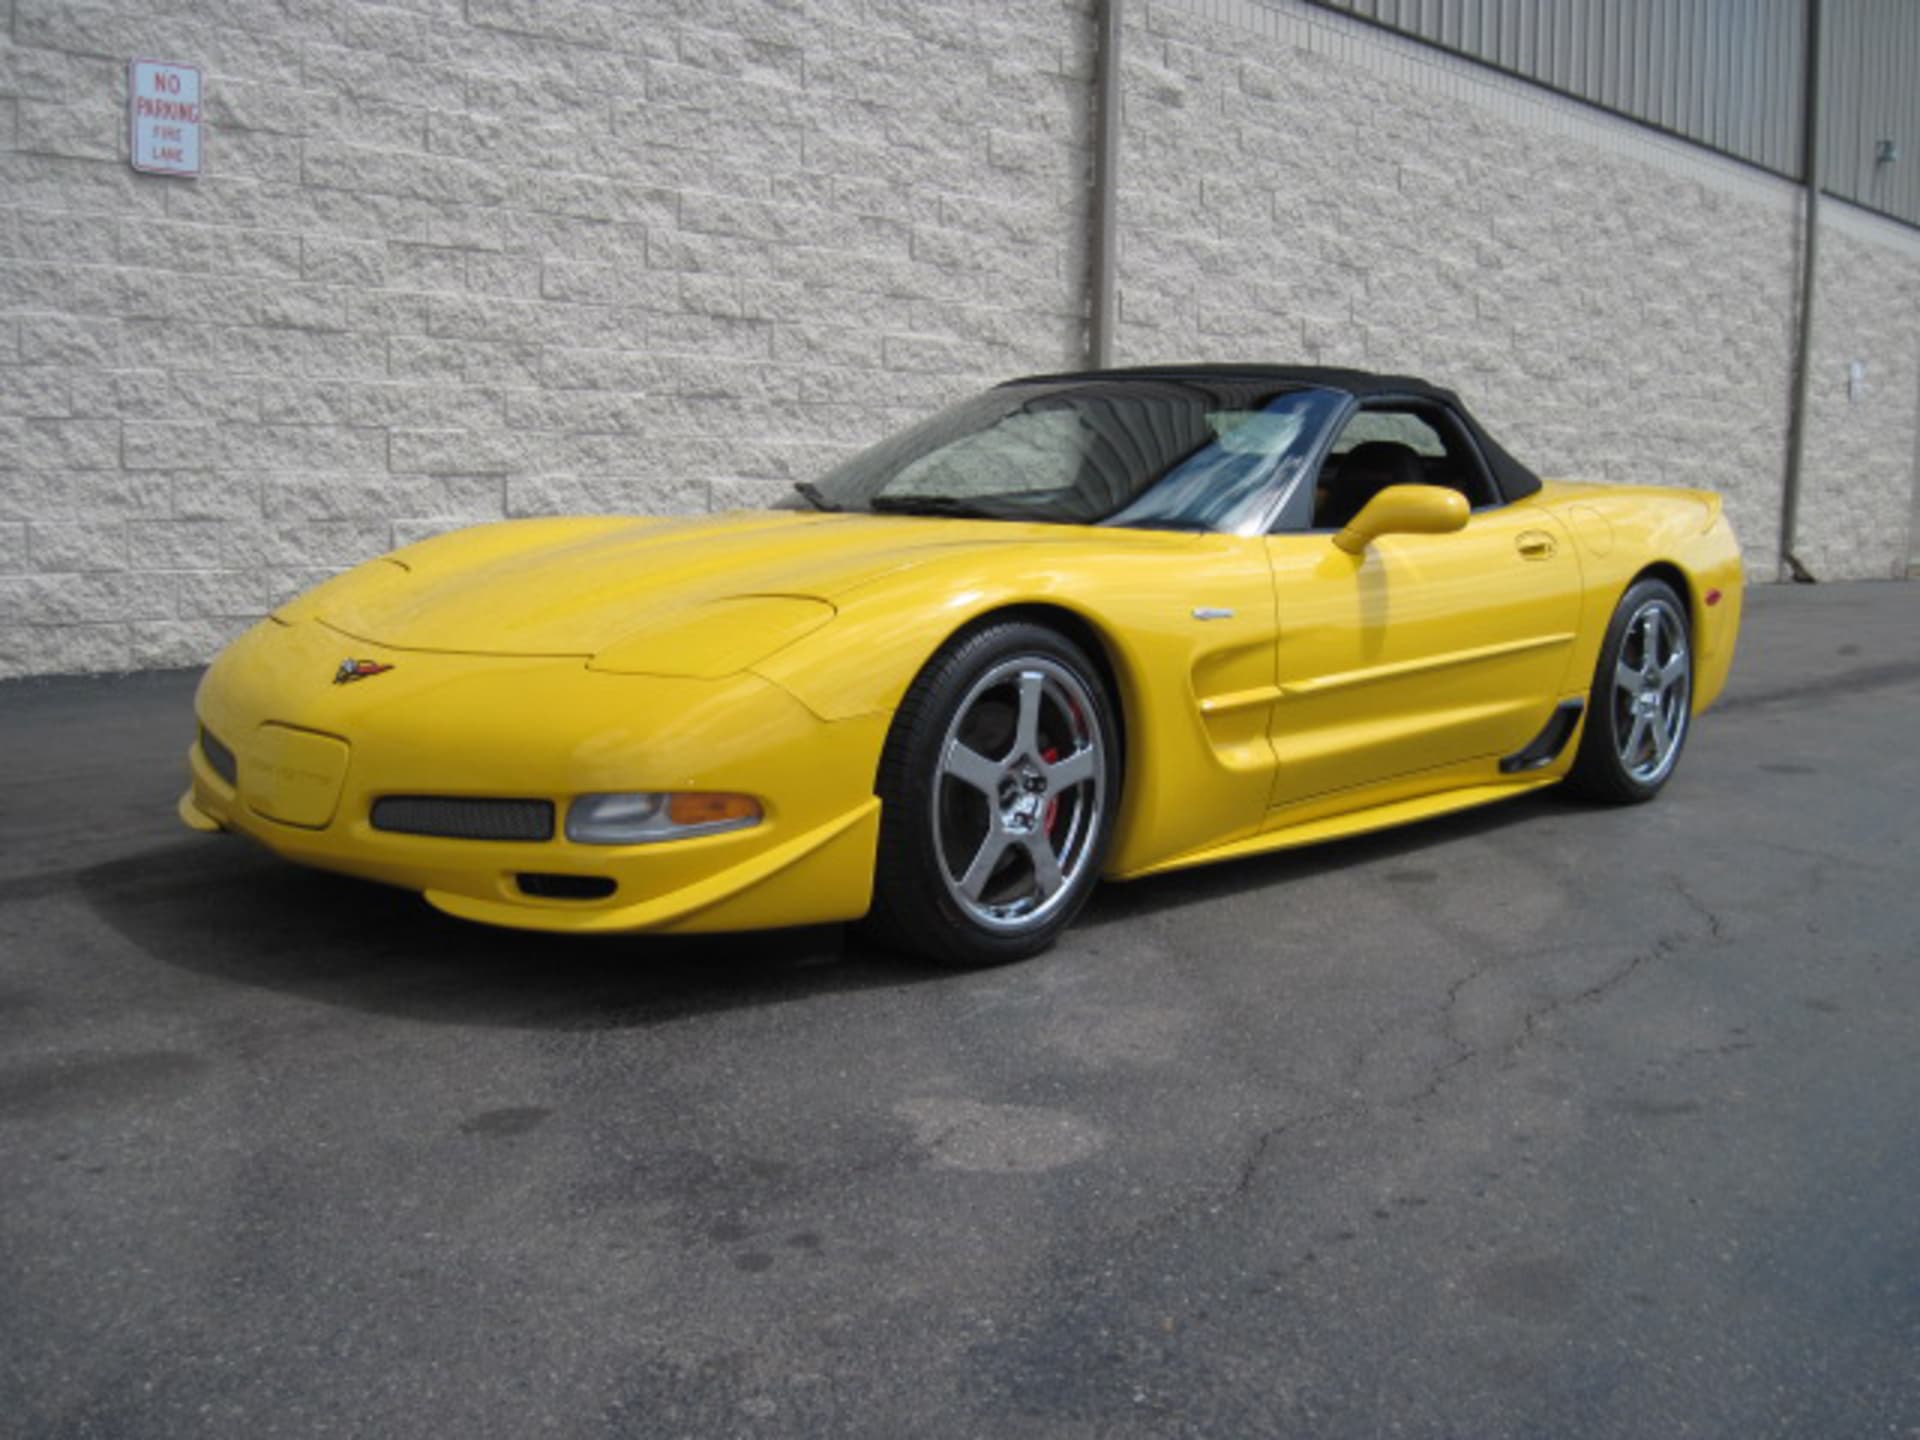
(294, 776)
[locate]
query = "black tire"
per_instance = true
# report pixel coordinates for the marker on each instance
(973, 792)
(1640, 709)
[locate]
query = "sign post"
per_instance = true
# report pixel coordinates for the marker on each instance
(163, 113)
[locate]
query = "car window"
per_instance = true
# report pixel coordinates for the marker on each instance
(1253, 464)
(1405, 443)
(1030, 450)
(1176, 453)
(1401, 427)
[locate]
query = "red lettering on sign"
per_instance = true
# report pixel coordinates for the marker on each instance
(165, 117)
(167, 109)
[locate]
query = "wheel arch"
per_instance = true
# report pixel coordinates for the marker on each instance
(1091, 637)
(900, 912)
(1678, 578)
(1600, 769)
(1699, 622)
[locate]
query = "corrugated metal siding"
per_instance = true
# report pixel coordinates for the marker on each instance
(1870, 91)
(1723, 73)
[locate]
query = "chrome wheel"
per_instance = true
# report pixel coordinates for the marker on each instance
(1652, 691)
(1019, 793)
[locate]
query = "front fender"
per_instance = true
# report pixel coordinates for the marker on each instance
(1195, 693)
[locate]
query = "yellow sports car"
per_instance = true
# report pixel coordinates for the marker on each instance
(1080, 625)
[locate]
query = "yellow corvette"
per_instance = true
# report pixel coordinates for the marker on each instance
(1080, 625)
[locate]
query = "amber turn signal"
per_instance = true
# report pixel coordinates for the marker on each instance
(703, 807)
(640, 817)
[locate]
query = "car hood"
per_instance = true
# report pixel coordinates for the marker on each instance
(579, 586)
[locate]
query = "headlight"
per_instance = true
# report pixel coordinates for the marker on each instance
(636, 817)
(371, 579)
(715, 639)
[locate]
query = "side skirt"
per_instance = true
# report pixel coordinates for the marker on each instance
(1355, 822)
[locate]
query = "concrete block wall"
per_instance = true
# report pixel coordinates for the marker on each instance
(1617, 305)
(454, 260)
(1860, 483)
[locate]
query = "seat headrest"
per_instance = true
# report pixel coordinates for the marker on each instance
(1380, 463)
(1366, 470)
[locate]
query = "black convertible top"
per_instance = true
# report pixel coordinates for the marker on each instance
(1513, 478)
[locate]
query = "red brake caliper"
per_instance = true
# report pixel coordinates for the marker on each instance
(1050, 755)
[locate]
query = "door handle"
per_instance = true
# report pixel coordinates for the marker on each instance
(1535, 545)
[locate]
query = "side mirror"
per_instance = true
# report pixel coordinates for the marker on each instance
(1405, 510)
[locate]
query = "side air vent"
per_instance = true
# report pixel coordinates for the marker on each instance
(223, 760)
(460, 817)
(1545, 747)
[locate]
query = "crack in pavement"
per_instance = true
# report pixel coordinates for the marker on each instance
(1716, 928)
(1530, 1022)
(1257, 1152)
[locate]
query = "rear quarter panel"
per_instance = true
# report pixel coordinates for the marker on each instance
(1623, 531)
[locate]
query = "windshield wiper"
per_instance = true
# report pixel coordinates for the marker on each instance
(816, 497)
(931, 505)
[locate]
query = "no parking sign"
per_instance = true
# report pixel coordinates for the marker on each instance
(163, 109)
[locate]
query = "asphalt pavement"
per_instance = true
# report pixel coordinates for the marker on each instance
(1539, 1121)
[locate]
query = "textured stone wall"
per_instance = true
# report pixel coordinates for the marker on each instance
(1617, 306)
(1913, 528)
(1859, 485)
(454, 260)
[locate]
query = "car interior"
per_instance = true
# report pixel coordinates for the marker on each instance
(1396, 444)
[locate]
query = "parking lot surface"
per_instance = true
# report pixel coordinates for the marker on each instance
(1539, 1121)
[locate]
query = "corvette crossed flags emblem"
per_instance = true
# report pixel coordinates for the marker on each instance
(351, 670)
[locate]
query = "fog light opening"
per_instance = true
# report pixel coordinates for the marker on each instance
(220, 759)
(544, 886)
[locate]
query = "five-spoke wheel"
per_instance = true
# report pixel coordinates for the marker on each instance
(1022, 787)
(997, 790)
(1642, 699)
(1652, 690)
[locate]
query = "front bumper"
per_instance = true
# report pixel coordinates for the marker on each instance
(313, 757)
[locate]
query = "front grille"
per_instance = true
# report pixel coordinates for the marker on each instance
(565, 887)
(460, 817)
(223, 760)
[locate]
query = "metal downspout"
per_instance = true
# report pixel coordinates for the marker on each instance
(1790, 566)
(1103, 262)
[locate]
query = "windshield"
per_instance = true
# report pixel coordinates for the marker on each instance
(1213, 454)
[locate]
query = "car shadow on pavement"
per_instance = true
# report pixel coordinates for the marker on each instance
(225, 910)
(1174, 889)
(228, 911)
